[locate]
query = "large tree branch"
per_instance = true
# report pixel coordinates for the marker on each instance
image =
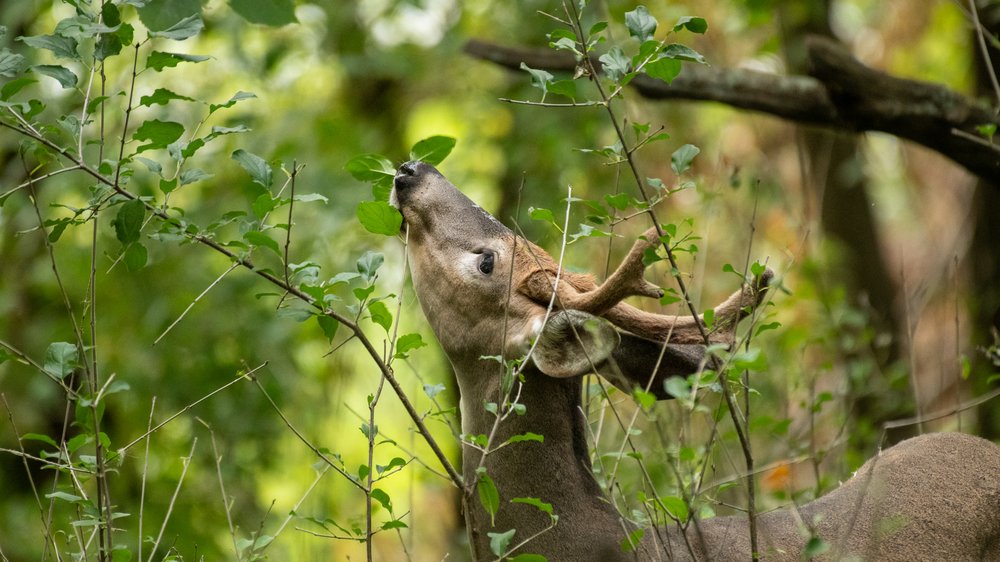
(840, 93)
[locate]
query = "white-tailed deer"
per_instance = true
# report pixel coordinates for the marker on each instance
(486, 292)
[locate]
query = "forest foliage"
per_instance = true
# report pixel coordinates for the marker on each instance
(209, 348)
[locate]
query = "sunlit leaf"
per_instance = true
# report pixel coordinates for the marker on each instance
(380, 315)
(379, 217)
(407, 343)
(432, 150)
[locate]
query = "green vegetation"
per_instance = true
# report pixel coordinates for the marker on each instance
(208, 345)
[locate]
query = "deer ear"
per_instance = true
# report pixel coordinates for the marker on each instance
(573, 342)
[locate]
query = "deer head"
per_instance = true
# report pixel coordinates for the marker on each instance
(486, 292)
(473, 276)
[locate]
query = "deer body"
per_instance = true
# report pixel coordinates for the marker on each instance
(486, 293)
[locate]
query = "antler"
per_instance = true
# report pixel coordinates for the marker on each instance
(580, 292)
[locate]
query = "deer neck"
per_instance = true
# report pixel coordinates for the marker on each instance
(555, 471)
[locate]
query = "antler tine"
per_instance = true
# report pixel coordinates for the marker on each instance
(579, 292)
(684, 329)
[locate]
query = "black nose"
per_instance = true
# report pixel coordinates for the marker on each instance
(409, 174)
(409, 169)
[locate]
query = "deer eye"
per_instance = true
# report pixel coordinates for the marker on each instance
(486, 263)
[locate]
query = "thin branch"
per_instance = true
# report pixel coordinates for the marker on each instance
(274, 280)
(173, 501)
(243, 376)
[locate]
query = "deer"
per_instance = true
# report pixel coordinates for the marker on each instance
(487, 292)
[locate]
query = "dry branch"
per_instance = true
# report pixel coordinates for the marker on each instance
(841, 93)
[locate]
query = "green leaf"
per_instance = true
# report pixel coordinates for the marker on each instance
(500, 541)
(396, 462)
(681, 159)
(394, 524)
(237, 97)
(529, 558)
(542, 506)
(678, 387)
(565, 88)
(158, 60)
(111, 42)
(193, 175)
(526, 436)
(381, 315)
(489, 497)
(135, 256)
(640, 24)
(692, 24)
(14, 86)
(681, 52)
(539, 78)
(10, 64)
(264, 205)
(676, 507)
(328, 325)
(432, 390)
(158, 133)
(631, 542)
(259, 170)
(369, 263)
(541, 214)
(62, 74)
(615, 63)
(158, 15)
(275, 13)
(370, 167)
(815, 547)
(665, 69)
(39, 437)
(161, 96)
(61, 358)
(183, 29)
(752, 360)
(128, 221)
(381, 497)
(432, 150)
(257, 238)
(379, 217)
(644, 398)
(407, 343)
(61, 47)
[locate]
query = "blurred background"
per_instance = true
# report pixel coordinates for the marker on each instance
(889, 253)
